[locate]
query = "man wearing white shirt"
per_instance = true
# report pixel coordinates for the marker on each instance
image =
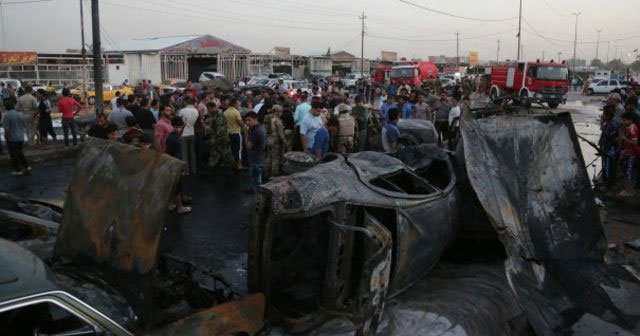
(114, 101)
(454, 117)
(190, 115)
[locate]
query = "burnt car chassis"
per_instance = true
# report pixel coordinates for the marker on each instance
(339, 239)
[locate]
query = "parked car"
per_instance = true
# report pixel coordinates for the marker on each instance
(351, 80)
(109, 91)
(209, 75)
(605, 86)
(9, 81)
(280, 75)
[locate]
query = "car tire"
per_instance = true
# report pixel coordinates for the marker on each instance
(589, 91)
(91, 100)
(553, 105)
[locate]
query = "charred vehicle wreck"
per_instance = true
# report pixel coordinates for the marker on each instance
(339, 239)
(106, 275)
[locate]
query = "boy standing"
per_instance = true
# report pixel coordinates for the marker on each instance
(174, 148)
(255, 139)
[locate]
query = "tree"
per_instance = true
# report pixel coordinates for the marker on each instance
(616, 65)
(635, 66)
(597, 63)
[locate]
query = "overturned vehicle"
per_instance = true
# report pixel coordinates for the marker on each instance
(339, 239)
(105, 273)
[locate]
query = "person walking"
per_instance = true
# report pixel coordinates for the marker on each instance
(190, 116)
(14, 131)
(361, 115)
(234, 126)
(255, 139)
(45, 125)
(66, 108)
(28, 105)
(442, 118)
(174, 148)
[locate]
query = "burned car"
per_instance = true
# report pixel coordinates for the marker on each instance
(340, 238)
(107, 275)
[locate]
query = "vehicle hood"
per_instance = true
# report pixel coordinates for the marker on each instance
(116, 204)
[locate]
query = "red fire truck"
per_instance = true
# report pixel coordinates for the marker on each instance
(532, 82)
(381, 74)
(413, 73)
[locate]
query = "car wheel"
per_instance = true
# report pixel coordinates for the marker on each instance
(589, 91)
(553, 105)
(91, 100)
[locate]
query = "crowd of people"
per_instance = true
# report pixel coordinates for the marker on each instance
(618, 144)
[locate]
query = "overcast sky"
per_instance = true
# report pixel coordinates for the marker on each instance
(310, 27)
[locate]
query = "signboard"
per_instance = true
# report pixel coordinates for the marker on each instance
(16, 58)
(473, 58)
(281, 51)
(389, 56)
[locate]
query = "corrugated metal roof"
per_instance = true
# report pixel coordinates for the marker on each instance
(152, 43)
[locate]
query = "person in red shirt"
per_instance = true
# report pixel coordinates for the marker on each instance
(163, 128)
(66, 108)
(630, 150)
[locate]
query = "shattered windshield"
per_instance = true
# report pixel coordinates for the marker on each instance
(552, 73)
(402, 73)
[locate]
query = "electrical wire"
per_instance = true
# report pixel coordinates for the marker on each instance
(441, 40)
(454, 15)
(23, 2)
(553, 9)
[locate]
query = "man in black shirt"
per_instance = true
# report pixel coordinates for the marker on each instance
(144, 117)
(99, 130)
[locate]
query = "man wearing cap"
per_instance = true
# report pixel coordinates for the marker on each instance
(28, 106)
(346, 130)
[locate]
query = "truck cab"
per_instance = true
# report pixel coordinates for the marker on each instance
(413, 73)
(532, 82)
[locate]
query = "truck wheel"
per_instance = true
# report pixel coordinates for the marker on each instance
(493, 95)
(524, 100)
(91, 100)
(589, 91)
(553, 105)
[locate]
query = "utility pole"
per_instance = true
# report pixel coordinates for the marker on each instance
(363, 17)
(498, 52)
(84, 55)
(457, 51)
(519, 28)
(97, 56)
(575, 42)
(522, 52)
(4, 31)
(598, 43)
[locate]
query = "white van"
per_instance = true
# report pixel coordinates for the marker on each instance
(9, 81)
(209, 75)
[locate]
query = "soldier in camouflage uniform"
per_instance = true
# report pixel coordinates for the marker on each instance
(346, 131)
(220, 151)
(276, 141)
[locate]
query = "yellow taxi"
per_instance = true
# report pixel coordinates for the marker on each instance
(109, 91)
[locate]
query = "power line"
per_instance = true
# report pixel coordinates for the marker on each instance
(23, 2)
(441, 40)
(553, 9)
(454, 15)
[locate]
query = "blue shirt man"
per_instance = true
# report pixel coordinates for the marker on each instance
(407, 110)
(14, 126)
(386, 106)
(302, 110)
(320, 143)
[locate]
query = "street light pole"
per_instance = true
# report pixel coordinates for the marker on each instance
(519, 29)
(84, 55)
(575, 43)
(97, 56)
(598, 43)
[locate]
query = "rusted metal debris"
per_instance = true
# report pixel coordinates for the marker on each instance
(530, 178)
(341, 238)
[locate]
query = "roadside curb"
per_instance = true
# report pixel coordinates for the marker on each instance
(40, 155)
